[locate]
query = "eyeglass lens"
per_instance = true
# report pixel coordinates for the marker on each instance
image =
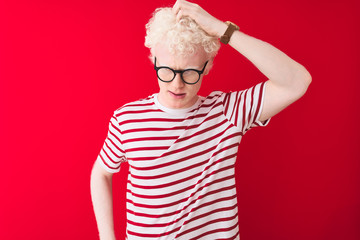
(189, 76)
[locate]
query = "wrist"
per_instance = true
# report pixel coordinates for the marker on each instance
(231, 28)
(221, 29)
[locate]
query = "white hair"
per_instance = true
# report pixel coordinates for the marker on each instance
(182, 38)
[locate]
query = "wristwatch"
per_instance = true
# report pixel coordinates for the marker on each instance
(229, 31)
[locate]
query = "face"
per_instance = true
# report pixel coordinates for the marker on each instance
(178, 94)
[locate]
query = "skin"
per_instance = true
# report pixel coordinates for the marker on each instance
(287, 82)
(102, 199)
(177, 94)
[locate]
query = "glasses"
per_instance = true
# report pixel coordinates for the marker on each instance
(189, 76)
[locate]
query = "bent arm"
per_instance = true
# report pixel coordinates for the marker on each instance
(288, 80)
(102, 198)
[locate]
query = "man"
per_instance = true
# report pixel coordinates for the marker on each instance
(181, 148)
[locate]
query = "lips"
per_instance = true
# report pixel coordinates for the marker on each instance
(177, 95)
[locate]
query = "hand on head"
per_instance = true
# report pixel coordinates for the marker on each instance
(206, 21)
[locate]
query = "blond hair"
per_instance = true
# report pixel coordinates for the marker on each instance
(182, 38)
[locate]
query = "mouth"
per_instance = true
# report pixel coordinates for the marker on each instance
(177, 95)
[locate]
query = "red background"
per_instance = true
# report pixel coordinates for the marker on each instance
(65, 66)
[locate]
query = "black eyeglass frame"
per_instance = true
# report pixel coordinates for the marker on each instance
(179, 71)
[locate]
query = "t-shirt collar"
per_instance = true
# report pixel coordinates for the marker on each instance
(175, 111)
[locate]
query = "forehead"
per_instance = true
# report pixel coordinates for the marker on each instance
(165, 58)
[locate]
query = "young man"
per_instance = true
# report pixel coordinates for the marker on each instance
(181, 148)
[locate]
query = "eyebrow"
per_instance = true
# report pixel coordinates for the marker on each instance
(189, 67)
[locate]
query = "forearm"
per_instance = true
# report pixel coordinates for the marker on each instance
(273, 63)
(282, 71)
(102, 198)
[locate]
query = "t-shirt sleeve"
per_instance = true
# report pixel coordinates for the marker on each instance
(112, 153)
(243, 108)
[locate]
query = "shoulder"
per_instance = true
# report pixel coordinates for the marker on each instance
(213, 100)
(214, 96)
(138, 106)
(218, 96)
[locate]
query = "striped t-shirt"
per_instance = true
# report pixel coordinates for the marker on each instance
(181, 182)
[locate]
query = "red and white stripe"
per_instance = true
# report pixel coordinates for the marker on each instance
(181, 182)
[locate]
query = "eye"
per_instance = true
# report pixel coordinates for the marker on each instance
(190, 76)
(165, 74)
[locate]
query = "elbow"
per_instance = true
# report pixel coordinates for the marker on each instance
(307, 79)
(304, 80)
(300, 83)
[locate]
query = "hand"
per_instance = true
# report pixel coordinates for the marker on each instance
(207, 22)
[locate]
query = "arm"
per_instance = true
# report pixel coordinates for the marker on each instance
(288, 80)
(101, 195)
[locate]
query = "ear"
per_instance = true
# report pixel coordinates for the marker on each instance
(152, 56)
(209, 66)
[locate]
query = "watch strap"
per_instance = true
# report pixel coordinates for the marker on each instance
(225, 39)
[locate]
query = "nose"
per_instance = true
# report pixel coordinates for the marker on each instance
(178, 83)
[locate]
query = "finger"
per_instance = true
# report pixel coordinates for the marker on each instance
(179, 15)
(175, 8)
(180, 5)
